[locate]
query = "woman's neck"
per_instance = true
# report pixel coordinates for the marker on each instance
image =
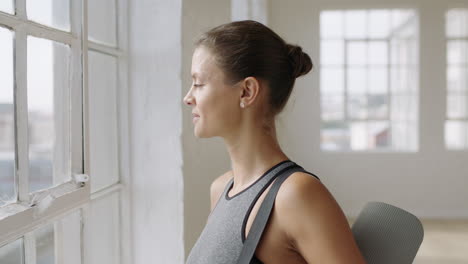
(251, 155)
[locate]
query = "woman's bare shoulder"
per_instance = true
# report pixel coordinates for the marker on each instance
(320, 230)
(217, 187)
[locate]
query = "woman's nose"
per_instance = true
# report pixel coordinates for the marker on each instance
(188, 99)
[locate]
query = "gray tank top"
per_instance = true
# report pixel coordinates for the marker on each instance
(223, 237)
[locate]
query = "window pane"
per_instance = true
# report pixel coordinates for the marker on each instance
(457, 106)
(103, 105)
(331, 24)
(457, 23)
(457, 79)
(357, 106)
(377, 106)
(378, 81)
(404, 135)
(332, 107)
(378, 53)
(12, 253)
(456, 134)
(6, 6)
(45, 253)
(457, 52)
(401, 20)
(379, 134)
(102, 22)
(54, 13)
(357, 80)
(355, 24)
(404, 107)
(332, 53)
(359, 137)
(357, 53)
(103, 220)
(7, 124)
(379, 23)
(335, 135)
(331, 80)
(48, 100)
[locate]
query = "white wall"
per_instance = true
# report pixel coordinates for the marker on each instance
(204, 159)
(431, 183)
(155, 49)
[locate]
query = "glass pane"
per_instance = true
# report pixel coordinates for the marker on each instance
(379, 23)
(404, 108)
(357, 80)
(357, 106)
(104, 221)
(456, 134)
(335, 135)
(12, 253)
(331, 24)
(332, 107)
(48, 100)
(378, 81)
(378, 53)
(357, 53)
(457, 22)
(103, 105)
(332, 53)
(7, 123)
(54, 13)
(403, 135)
(457, 79)
(359, 137)
(355, 24)
(401, 20)
(457, 52)
(102, 22)
(379, 134)
(45, 252)
(331, 80)
(457, 106)
(377, 106)
(6, 6)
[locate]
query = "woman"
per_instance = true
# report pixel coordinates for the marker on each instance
(243, 74)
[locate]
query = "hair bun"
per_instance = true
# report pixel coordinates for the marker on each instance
(300, 61)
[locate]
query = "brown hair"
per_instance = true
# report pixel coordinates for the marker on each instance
(249, 48)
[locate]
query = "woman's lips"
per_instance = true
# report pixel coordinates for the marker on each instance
(195, 118)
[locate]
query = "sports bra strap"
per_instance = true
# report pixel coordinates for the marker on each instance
(261, 219)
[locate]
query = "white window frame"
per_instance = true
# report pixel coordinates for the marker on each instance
(447, 40)
(22, 218)
(346, 41)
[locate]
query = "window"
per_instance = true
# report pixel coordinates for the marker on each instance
(59, 92)
(369, 80)
(456, 125)
(41, 136)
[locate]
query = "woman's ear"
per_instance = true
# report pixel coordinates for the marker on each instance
(250, 90)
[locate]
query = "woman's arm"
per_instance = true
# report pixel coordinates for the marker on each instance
(315, 223)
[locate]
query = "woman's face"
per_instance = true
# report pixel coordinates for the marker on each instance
(215, 102)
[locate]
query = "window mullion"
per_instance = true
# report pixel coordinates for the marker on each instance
(21, 112)
(77, 85)
(30, 248)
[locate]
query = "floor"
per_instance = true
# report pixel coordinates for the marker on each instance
(445, 242)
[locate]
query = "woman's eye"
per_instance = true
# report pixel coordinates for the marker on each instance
(197, 85)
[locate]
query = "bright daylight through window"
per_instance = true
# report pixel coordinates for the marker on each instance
(456, 125)
(369, 80)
